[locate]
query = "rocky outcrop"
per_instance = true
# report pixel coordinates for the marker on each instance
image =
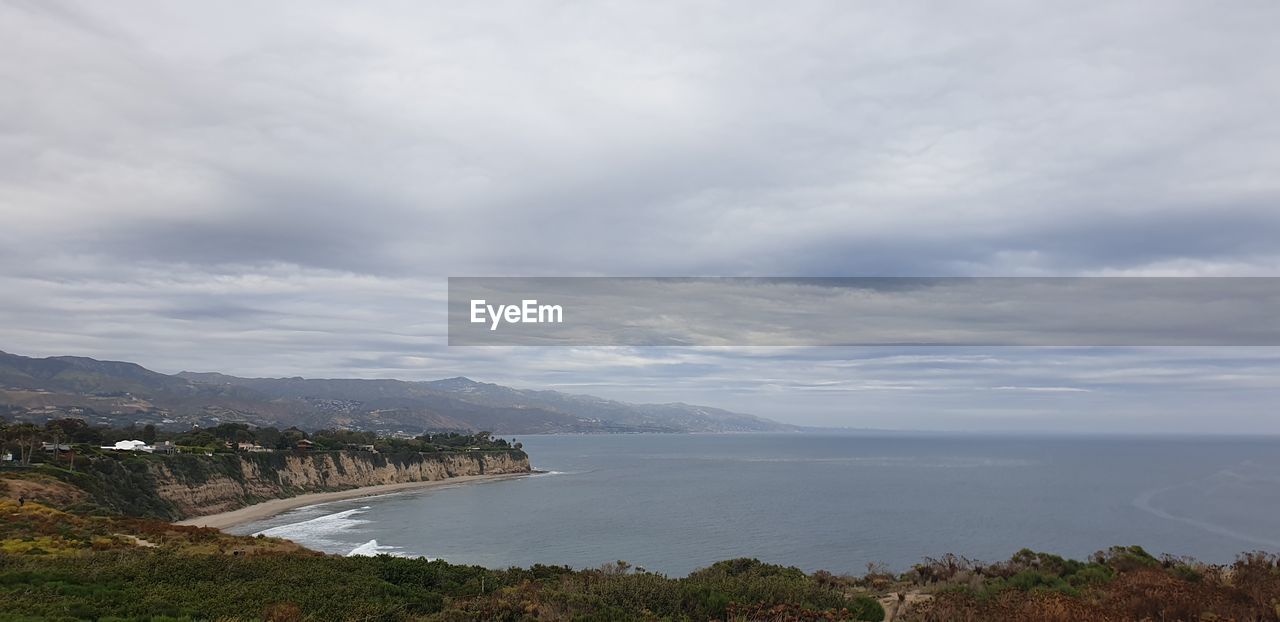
(184, 486)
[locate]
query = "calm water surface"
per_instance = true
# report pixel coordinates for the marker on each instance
(674, 503)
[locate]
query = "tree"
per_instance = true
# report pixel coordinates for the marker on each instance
(74, 430)
(71, 431)
(56, 432)
(6, 435)
(196, 438)
(290, 437)
(268, 437)
(149, 434)
(27, 436)
(232, 433)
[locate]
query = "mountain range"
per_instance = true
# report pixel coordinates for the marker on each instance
(119, 393)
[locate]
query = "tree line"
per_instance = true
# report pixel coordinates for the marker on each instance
(24, 439)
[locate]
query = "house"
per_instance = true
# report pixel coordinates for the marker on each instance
(360, 447)
(51, 447)
(305, 445)
(250, 447)
(165, 447)
(130, 446)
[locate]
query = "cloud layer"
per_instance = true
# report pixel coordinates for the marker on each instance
(282, 188)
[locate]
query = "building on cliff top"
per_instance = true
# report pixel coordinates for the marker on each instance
(130, 446)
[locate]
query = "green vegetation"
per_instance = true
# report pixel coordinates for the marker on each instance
(129, 482)
(75, 555)
(146, 583)
(230, 436)
(57, 565)
(64, 566)
(1119, 584)
(24, 439)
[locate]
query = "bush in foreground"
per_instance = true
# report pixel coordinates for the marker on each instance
(66, 566)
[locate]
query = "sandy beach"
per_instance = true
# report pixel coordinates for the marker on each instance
(267, 509)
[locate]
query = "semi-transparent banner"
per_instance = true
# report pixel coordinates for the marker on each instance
(1085, 311)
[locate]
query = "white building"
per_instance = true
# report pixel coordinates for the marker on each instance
(131, 446)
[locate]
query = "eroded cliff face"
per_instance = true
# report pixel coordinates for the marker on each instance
(195, 489)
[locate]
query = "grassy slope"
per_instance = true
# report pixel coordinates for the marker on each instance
(55, 564)
(60, 565)
(83, 562)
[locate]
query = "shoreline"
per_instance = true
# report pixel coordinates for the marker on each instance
(271, 507)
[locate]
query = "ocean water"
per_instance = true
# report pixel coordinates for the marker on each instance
(674, 503)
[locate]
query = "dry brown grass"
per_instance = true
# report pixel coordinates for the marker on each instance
(37, 529)
(1246, 591)
(40, 488)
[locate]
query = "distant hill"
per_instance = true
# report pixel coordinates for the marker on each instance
(120, 392)
(685, 417)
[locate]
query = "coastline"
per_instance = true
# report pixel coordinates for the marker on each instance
(272, 507)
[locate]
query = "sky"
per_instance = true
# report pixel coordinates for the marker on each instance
(282, 189)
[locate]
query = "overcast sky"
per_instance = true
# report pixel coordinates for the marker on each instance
(282, 188)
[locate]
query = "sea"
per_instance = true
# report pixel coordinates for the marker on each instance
(839, 502)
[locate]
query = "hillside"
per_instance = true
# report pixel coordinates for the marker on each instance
(119, 393)
(65, 565)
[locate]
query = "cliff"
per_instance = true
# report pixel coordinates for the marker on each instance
(184, 486)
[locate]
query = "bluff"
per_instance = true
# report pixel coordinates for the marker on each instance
(185, 486)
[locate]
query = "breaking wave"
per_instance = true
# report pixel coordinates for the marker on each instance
(319, 532)
(372, 548)
(548, 473)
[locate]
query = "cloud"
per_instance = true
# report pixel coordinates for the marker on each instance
(283, 188)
